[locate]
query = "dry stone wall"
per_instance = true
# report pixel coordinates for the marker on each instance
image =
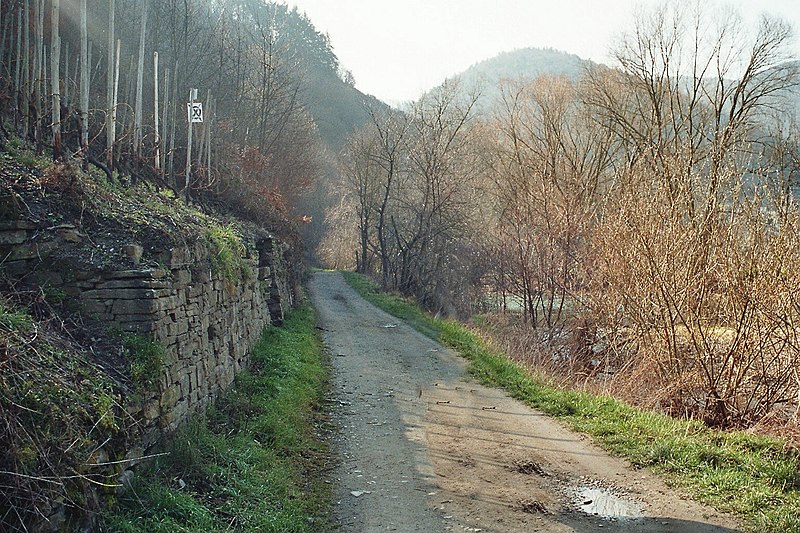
(205, 323)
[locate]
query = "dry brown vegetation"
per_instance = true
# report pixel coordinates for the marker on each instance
(644, 219)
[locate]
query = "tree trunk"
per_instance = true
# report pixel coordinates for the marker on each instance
(110, 101)
(211, 108)
(173, 126)
(192, 98)
(55, 78)
(65, 94)
(26, 69)
(129, 92)
(114, 100)
(165, 122)
(84, 98)
(90, 62)
(37, 76)
(157, 132)
(18, 72)
(137, 129)
(201, 145)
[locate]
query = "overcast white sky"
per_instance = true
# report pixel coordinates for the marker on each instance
(397, 49)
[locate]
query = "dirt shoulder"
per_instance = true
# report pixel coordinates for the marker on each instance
(422, 448)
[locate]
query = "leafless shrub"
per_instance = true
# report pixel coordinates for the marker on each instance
(652, 209)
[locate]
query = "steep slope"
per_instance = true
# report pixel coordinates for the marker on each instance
(338, 108)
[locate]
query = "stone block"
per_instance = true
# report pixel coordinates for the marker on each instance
(135, 327)
(197, 397)
(71, 235)
(15, 236)
(150, 273)
(186, 382)
(172, 419)
(182, 327)
(167, 303)
(7, 225)
(47, 277)
(133, 252)
(94, 307)
(138, 318)
(37, 250)
(156, 285)
(181, 278)
(177, 257)
(196, 291)
(15, 269)
(171, 356)
(151, 410)
(135, 307)
(201, 276)
(170, 397)
(122, 294)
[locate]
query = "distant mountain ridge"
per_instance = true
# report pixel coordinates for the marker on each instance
(524, 63)
(530, 63)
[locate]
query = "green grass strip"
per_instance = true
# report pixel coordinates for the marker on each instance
(754, 477)
(394, 304)
(252, 463)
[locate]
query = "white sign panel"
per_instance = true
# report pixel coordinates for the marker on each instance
(195, 110)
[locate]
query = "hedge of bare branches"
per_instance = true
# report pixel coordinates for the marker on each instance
(653, 205)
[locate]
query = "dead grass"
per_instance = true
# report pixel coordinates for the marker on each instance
(560, 357)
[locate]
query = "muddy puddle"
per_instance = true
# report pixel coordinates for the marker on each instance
(605, 503)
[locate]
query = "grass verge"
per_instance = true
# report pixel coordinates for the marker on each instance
(250, 463)
(395, 305)
(754, 477)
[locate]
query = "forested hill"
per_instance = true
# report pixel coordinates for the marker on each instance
(338, 108)
(525, 63)
(327, 90)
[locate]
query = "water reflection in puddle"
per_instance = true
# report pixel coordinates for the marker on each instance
(604, 503)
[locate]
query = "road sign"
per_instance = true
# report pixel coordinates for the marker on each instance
(195, 110)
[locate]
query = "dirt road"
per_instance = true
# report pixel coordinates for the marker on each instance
(424, 449)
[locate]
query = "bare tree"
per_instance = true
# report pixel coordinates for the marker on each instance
(55, 77)
(375, 164)
(37, 76)
(25, 96)
(390, 156)
(156, 128)
(18, 70)
(111, 81)
(436, 198)
(137, 128)
(165, 106)
(84, 85)
(188, 177)
(684, 219)
(175, 114)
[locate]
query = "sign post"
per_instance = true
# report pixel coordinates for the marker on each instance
(195, 110)
(195, 114)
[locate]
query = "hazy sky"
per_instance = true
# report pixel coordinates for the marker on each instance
(397, 49)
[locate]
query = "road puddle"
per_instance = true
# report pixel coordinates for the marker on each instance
(603, 502)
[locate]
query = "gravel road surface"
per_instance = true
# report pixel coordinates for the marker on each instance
(421, 448)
